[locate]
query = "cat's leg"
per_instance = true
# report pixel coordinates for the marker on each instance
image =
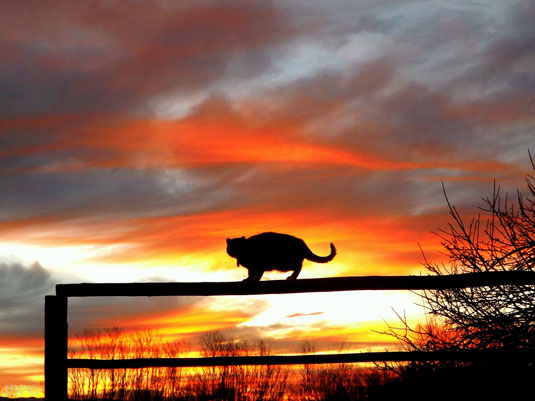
(250, 276)
(254, 275)
(296, 272)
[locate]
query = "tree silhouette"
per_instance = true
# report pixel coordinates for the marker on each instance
(500, 238)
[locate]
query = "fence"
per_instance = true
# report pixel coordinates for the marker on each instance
(56, 327)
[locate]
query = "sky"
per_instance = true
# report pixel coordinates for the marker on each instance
(135, 137)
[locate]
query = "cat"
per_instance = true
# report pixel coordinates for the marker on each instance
(272, 251)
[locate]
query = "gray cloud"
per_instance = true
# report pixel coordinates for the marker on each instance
(108, 193)
(111, 57)
(22, 294)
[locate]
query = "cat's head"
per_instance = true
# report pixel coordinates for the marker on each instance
(234, 246)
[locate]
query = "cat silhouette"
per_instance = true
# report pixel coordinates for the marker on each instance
(272, 251)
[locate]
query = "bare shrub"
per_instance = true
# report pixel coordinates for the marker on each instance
(124, 384)
(244, 383)
(338, 381)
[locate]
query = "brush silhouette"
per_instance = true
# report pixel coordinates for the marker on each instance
(273, 251)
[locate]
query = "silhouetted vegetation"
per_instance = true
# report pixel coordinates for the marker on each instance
(245, 383)
(209, 383)
(339, 382)
(500, 238)
(125, 384)
(218, 383)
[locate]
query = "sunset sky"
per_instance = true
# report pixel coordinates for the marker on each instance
(135, 137)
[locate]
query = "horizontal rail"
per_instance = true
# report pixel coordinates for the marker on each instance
(396, 356)
(303, 285)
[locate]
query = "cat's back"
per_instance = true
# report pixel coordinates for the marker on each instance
(273, 240)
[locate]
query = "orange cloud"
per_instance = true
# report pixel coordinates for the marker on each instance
(366, 245)
(217, 133)
(226, 139)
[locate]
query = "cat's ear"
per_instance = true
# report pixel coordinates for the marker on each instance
(228, 240)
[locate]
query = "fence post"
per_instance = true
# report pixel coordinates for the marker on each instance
(56, 337)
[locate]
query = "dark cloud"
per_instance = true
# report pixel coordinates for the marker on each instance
(508, 61)
(105, 57)
(108, 193)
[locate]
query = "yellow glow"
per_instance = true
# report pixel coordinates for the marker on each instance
(337, 308)
(20, 366)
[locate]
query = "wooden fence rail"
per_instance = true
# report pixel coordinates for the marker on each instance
(303, 285)
(56, 326)
(395, 356)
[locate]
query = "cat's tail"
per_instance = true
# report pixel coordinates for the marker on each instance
(320, 259)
